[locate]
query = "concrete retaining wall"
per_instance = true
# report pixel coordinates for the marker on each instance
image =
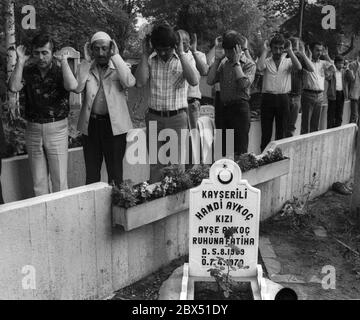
(67, 239)
(65, 243)
(17, 182)
(328, 153)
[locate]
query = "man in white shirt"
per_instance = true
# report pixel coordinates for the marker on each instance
(194, 93)
(313, 89)
(276, 85)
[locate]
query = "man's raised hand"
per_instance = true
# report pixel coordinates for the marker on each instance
(62, 55)
(288, 46)
(267, 46)
(21, 54)
(219, 50)
(87, 52)
(180, 44)
(193, 43)
(237, 54)
(146, 46)
(246, 43)
(114, 48)
(308, 52)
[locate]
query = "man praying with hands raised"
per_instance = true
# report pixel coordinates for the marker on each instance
(235, 73)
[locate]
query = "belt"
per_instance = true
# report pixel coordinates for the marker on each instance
(45, 120)
(313, 91)
(99, 116)
(166, 113)
(192, 100)
(234, 102)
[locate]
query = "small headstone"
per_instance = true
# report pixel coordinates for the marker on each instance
(222, 202)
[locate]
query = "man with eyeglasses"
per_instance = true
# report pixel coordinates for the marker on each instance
(169, 71)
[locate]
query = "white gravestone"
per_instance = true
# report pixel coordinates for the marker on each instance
(222, 202)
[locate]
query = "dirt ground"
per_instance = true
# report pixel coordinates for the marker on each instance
(148, 288)
(303, 254)
(299, 250)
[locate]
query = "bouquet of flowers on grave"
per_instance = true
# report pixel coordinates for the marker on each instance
(175, 180)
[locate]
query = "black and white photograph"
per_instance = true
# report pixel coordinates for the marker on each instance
(176, 156)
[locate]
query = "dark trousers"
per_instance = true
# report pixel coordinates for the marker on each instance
(236, 116)
(335, 110)
(311, 104)
(100, 143)
(294, 109)
(274, 106)
(355, 106)
(1, 196)
(217, 104)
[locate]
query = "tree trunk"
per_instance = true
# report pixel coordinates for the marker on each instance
(13, 100)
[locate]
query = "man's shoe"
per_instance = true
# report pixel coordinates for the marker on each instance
(340, 188)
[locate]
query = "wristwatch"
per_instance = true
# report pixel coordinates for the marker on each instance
(236, 64)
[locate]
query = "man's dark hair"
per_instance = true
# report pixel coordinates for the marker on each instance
(41, 40)
(163, 36)
(232, 38)
(315, 43)
(277, 39)
(339, 59)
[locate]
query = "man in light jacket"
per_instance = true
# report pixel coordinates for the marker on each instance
(104, 117)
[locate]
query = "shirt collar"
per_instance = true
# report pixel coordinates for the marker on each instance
(283, 56)
(52, 69)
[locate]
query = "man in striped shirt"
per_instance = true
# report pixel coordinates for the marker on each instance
(169, 72)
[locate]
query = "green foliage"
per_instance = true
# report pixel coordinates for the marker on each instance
(297, 209)
(347, 22)
(176, 180)
(271, 155)
(247, 161)
(198, 173)
(221, 268)
(72, 22)
(124, 195)
(208, 18)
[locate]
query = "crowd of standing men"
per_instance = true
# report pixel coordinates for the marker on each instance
(293, 80)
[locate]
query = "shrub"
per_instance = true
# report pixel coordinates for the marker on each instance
(175, 180)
